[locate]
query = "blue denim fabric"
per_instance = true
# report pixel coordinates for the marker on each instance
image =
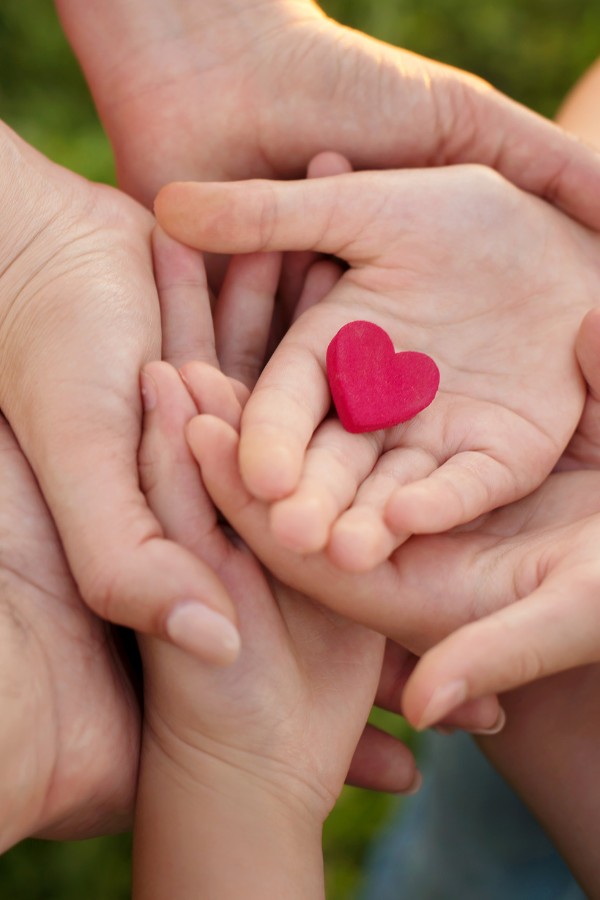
(465, 836)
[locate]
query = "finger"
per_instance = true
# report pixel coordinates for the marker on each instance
(126, 570)
(459, 491)
(481, 716)
(243, 314)
(173, 488)
(289, 401)
(587, 349)
(328, 163)
(335, 464)
(555, 628)
(360, 538)
(584, 449)
(213, 393)
(383, 763)
(388, 600)
(340, 215)
(186, 317)
(321, 278)
(298, 266)
(169, 475)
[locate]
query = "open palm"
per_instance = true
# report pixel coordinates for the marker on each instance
(457, 263)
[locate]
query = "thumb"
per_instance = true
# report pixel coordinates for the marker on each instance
(556, 628)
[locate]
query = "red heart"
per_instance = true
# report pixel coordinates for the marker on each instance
(372, 386)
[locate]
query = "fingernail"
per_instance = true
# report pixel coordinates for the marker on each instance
(415, 785)
(444, 699)
(446, 730)
(149, 394)
(194, 627)
(495, 728)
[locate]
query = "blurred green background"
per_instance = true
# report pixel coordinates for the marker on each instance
(534, 50)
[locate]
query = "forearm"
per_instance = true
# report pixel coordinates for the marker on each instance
(550, 754)
(203, 830)
(580, 112)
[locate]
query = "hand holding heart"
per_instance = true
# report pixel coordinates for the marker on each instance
(490, 282)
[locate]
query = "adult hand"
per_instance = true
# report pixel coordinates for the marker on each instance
(69, 741)
(79, 317)
(231, 89)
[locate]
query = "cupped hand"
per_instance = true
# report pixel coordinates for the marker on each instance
(489, 281)
(232, 89)
(79, 316)
(70, 719)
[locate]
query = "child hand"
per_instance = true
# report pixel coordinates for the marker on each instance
(260, 749)
(491, 282)
(372, 598)
(257, 751)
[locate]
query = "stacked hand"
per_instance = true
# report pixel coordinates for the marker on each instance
(70, 721)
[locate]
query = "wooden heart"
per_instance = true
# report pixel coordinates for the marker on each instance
(372, 386)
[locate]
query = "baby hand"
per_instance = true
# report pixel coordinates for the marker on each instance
(491, 282)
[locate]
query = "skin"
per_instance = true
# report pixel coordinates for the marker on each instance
(256, 754)
(69, 745)
(551, 723)
(212, 767)
(77, 419)
(456, 263)
(79, 316)
(548, 753)
(268, 740)
(537, 559)
(185, 299)
(580, 112)
(232, 89)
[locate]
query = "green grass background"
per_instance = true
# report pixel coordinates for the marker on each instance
(534, 50)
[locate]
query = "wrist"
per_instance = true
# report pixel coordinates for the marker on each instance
(225, 828)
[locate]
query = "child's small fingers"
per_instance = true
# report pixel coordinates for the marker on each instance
(383, 763)
(186, 317)
(468, 485)
(335, 464)
(360, 539)
(244, 312)
(215, 443)
(556, 628)
(212, 392)
(288, 403)
(169, 475)
(320, 280)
